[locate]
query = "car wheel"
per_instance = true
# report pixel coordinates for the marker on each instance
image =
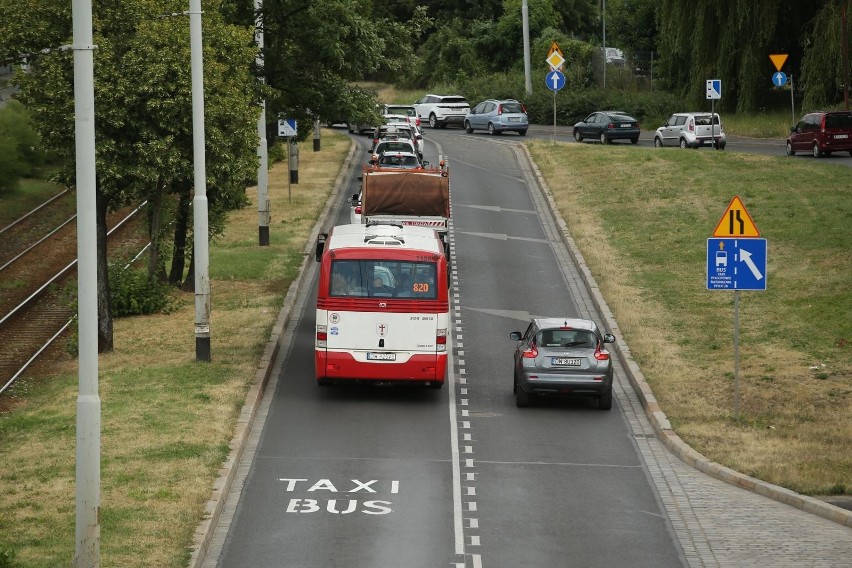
(605, 401)
(491, 129)
(433, 122)
(791, 152)
(817, 152)
(522, 132)
(658, 142)
(634, 140)
(683, 143)
(435, 385)
(522, 398)
(603, 138)
(467, 127)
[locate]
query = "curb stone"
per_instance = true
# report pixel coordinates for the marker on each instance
(222, 486)
(662, 426)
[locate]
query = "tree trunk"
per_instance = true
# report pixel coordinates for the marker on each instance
(155, 208)
(179, 249)
(189, 283)
(105, 338)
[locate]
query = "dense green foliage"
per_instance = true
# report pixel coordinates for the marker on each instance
(134, 293)
(20, 147)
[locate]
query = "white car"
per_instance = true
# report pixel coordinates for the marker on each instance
(441, 110)
(355, 210)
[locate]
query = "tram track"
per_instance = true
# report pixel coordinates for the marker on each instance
(39, 289)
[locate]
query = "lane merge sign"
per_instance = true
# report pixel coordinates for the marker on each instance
(736, 222)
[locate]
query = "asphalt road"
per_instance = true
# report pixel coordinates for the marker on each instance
(399, 477)
(761, 146)
(375, 477)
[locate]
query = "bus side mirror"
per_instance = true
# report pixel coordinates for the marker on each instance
(321, 245)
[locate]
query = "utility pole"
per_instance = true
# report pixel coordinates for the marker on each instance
(603, 49)
(263, 214)
(201, 253)
(525, 18)
(87, 534)
(845, 50)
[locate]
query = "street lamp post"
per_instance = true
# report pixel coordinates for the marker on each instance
(201, 254)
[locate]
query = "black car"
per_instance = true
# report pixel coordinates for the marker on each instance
(607, 126)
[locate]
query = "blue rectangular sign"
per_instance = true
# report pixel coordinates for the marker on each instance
(736, 264)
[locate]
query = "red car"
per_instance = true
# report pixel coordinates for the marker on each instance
(822, 133)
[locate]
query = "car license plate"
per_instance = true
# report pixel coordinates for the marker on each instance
(841, 136)
(564, 362)
(625, 125)
(381, 356)
(514, 119)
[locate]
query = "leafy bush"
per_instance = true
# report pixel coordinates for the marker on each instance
(7, 557)
(20, 151)
(133, 293)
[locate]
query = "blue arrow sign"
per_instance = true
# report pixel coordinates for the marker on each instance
(555, 80)
(287, 127)
(736, 264)
(714, 89)
(779, 78)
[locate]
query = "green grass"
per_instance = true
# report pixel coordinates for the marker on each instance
(645, 240)
(29, 194)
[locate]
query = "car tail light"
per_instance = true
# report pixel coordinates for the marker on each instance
(499, 109)
(601, 355)
(322, 336)
(611, 125)
(691, 125)
(441, 340)
(357, 209)
(531, 352)
(822, 124)
(524, 109)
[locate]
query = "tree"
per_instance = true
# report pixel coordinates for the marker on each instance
(143, 110)
(20, 147)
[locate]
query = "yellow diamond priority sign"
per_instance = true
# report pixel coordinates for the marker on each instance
(736, 222)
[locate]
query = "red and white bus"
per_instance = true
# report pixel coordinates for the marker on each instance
(382, 305)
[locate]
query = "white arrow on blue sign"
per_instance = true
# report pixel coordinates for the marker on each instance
(779, 78)
(736, 264)
(555, 80)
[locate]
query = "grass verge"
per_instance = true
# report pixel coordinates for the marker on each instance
(166, 421)
(641, 219)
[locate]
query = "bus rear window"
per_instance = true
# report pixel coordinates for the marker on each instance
(383, 278)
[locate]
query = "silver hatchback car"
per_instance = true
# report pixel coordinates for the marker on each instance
(692, 130)
(497, 116)
(559, 356)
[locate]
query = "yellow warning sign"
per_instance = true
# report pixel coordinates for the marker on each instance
(554, 48)
(736, 222)
(778, 59)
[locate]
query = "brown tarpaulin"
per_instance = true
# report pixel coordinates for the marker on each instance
(419, 193)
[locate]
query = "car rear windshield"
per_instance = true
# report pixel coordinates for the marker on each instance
(579, 338)
(454, 100)
(512, 107)
(404, 110)
(617, 117)
(839, 120)
(704, 120)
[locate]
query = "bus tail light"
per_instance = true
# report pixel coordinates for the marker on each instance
(441, 340)
(322, 336)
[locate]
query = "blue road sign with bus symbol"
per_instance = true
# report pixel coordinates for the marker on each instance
(736, 264)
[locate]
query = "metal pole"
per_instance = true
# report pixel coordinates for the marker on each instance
(317, 139)
(525, 17)
(603, 20)
(845, 51)
(737, 355)
(792, 100)
(88, 453)
(263, 215)
(553, 137)
(201, 255)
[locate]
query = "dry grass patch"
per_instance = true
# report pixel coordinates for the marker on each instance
(641, 219)
(166, 421)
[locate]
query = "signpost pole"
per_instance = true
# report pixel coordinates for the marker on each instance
(553, 136)
(737, 355)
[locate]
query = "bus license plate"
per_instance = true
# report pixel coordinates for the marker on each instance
(564, 362)
(381, 356)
